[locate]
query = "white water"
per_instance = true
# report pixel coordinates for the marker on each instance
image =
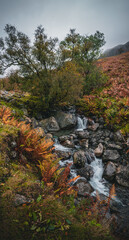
(59, 147)
(81, 123)
(96, 181)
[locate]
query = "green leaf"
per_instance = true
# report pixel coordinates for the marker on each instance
(39, 198)
(51, 227)
(40, 216)
(68, 221)
(38, 229)
(33, 227)
(34, 216)
(26, 223)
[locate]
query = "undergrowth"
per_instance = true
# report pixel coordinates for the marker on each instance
(50, 212)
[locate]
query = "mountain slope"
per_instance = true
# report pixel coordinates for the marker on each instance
(116, 50)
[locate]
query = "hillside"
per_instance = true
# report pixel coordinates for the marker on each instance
(122, 48)
(112, 101)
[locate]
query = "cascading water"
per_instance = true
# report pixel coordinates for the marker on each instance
(97, 182)
(81, 123)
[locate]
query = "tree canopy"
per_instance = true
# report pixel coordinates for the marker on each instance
(49, 68)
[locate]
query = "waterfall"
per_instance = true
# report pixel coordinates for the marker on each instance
(60, 147)
(81, 123)
(97, 182)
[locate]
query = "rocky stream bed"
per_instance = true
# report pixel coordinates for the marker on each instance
(96, 152)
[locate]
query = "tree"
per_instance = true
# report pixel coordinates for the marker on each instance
(50, 72)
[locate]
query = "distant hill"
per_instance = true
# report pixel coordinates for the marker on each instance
(122, 48)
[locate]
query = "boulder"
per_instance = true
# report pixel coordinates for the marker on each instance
(64, 138)
(68, 144)
(118, 137)
(114, 146)
(99, 150)
(90, 156)
(83, 134)
(40, 132)
(50, 124)
(83, 187)
(66, 120)
(84, 143)
(63, 155)
(20, 200)
(79, 159)
(94, 127)
(110, 171)
(122, 175)
(86, 172)
(111, 155)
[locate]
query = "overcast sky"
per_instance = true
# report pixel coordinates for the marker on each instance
(57, 16)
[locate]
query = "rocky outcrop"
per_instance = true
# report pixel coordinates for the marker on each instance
(86, 172)
(65, 120)
(83, 187)
(122, 175)
(99, 150)
(79, 159)
(111, 155)
(50, 124)
(110, 171)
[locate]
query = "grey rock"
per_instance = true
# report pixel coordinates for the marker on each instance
(13, 144)
(63, 155)
(84, 143)
(118, 137)
(94, 127)
(34, 123)
(83, 187)
(99, 150)
(111, 155)
(90, 156)
(40, 132)
(83, 134)
(50, 124)
(114, 146)
(65, 120)
(122, 175)
(79, 159)
(110, 171)
(86, 172)
(20, 200)
(68, 144)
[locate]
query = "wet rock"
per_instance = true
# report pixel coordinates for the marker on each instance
(40, 132)
(13, 144)
(83, 134)
(49, 136)
(65, 120)
(25, 112)
(83, 187)
(99, 150)
(68, 144)
(110, 171)
(114, 146)
(122, 175)
(111, 155)
(94, 127)
(34, 123)
(50, 124)
(13, 154)
(20, 200)
(64, 138)
(118, 137)
(79, 159)
(84, 143)
(63, 155)
(86, 172)
(90, 156)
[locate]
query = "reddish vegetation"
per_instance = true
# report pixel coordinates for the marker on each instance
(117, 68)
